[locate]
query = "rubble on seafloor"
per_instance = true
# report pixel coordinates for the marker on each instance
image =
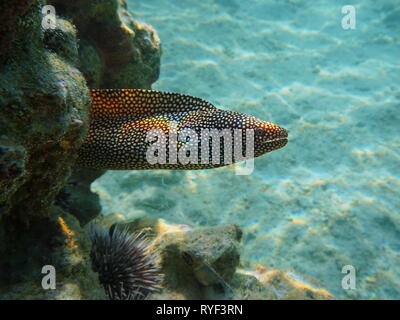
(204, 263)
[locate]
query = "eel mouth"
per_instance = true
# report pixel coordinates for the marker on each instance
(269, 138)
(283, 138)
(273, 144)
(277, 140)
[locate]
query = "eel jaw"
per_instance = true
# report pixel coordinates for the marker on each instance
(269, 137)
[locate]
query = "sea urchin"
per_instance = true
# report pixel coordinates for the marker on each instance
(125, 263)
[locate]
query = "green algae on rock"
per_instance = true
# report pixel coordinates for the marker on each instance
(54, 244)
(44, 119)
(126, 51)
(10, 13)
(44, 115)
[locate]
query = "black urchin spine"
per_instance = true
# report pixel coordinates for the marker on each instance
(125, 263)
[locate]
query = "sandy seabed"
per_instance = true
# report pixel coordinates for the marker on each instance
(329, 198)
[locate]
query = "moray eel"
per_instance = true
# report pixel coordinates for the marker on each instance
(120, 120)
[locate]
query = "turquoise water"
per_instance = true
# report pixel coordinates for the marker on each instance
(329, 198)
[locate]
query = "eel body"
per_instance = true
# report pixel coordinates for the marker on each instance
(128, 125)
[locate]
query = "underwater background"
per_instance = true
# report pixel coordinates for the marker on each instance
(329, 198)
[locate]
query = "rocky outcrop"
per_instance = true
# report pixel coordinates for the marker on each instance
(198, 264)
(58, 241)
(44, 106)
(10, 13)
(115, 50)
(44, 118)
(77, 198)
